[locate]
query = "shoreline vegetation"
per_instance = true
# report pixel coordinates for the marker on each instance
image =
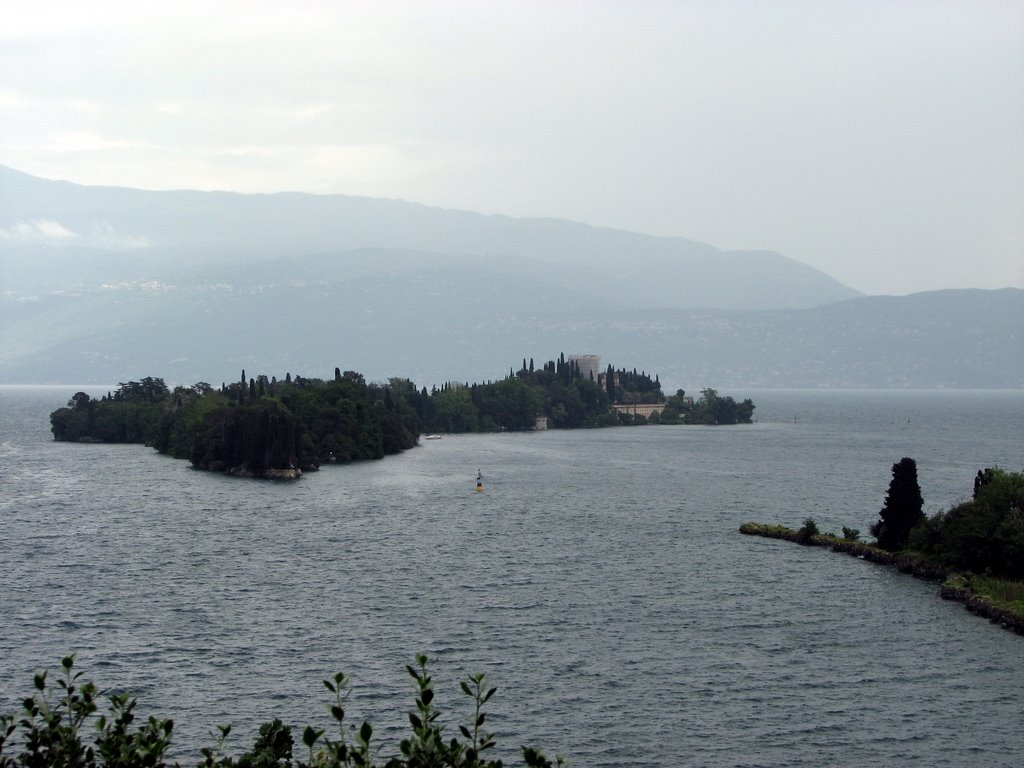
(262, 427)
(975, 550)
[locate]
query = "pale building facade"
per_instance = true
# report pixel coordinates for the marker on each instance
(640, 409)
(589, 365)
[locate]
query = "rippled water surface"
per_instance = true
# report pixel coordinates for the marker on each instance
(599, 581)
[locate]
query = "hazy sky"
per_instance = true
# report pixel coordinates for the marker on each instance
(881, 142)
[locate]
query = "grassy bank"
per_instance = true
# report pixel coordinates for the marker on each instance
(999, 600)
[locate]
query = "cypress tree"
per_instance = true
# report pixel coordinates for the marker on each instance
(903, 508)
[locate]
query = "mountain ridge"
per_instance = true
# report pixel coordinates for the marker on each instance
(93, 293)
(645, 269)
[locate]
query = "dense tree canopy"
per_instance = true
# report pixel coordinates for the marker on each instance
(983, 535)
(252, 427)
(570, 399)
(710, 408)
(258, 424)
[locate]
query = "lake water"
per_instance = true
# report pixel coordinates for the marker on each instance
(599, 581)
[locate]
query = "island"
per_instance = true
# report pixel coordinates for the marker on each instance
(265, 427)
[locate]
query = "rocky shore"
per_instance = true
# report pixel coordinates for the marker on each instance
(954, 588)
(979, 606)
(270, 473)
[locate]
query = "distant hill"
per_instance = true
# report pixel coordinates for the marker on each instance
(105, 285)
(165, 231)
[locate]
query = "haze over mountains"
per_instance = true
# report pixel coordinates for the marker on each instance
(104, 284)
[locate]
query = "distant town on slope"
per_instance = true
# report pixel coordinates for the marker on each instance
(265, 427)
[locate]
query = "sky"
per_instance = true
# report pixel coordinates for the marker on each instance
(880, 142)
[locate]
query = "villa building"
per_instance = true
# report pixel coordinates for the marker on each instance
(640, 409)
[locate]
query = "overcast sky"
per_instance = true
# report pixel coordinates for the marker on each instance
(881, 142)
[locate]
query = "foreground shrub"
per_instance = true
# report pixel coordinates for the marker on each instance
(50, 733)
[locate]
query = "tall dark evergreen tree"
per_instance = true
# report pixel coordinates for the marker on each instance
(903, 508)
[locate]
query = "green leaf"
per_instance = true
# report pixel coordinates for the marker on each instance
(489, 694)
(428, 696)
(465, 732)
(337, 712)
(465, 688)
(416, 722)
(480, 719)
(310, 736)
(330, 686)
(39, 681)
(365, 732)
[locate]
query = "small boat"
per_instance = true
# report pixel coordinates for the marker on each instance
(432, 436)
